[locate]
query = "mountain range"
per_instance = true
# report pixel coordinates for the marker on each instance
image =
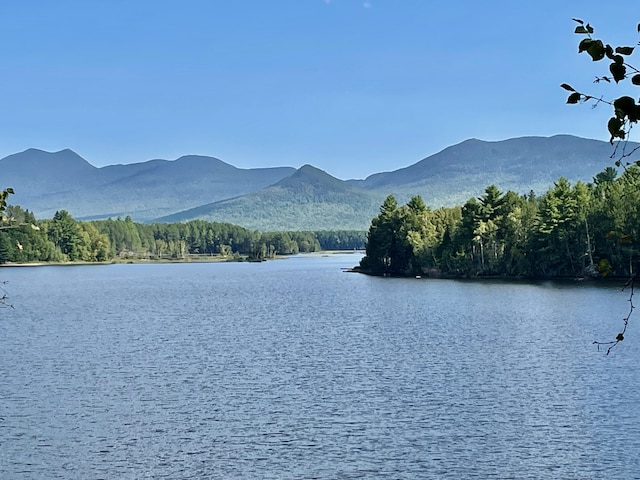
(284, 198)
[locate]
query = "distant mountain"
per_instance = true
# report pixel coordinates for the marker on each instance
(45, 182)
(36, 170)
(462, 171)
(310, 199)
(283, 198)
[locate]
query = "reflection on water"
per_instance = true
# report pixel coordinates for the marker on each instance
(294, 369)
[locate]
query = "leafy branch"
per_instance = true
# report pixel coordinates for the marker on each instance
(4, 194)
(626, 113)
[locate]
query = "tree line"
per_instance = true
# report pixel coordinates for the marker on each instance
(580, 230)
(23, 238)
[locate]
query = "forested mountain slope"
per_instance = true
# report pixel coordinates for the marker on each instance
(310, 199)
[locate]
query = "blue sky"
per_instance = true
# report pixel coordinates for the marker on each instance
(351, 86)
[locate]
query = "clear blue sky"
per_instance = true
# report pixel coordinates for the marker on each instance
(351, 86)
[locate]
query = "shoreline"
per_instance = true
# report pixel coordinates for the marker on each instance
(535, 278)
(190, 259)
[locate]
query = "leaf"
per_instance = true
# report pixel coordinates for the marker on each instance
(608, 51)
(624, 50)
(614, 126)
(584, 45)
(618, 71)
(9, 190)
(624, 106)
(568, 87)
(574, 98)
(636, 79)
(581, 22)
(596, 50)
(589, 28)
(639, 28)
(581, 30)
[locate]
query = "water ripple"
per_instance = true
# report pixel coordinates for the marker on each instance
(293, 369)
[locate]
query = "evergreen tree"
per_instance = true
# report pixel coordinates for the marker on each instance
(386, 250)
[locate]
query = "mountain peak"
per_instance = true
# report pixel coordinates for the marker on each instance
(40, 160)
(309, 176)
(309, 167)
(204, 163)
(310, 170)
(44, 153)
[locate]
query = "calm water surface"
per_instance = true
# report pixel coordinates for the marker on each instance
(294, 369)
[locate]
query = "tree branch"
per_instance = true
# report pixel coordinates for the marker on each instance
(625, 321)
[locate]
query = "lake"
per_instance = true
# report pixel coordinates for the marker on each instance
(295, 369)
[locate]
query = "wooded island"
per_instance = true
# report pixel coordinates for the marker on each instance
(580, 230)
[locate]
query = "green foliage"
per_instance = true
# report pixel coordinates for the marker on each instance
(399, 238)
(608, 175)
(5, 249)
(341, 239)
(199, 237)
(384, 241)
(66, 234)
(570, 231)
(23, 240)
(61, 239)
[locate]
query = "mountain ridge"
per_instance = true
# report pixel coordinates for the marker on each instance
(284, 198)
(144, 190)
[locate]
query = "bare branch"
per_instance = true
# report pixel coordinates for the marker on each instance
(625, 321)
